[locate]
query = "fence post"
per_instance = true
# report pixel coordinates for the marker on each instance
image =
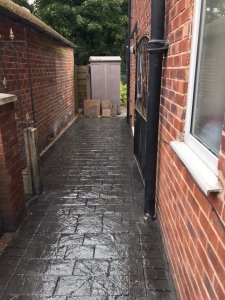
(27, 179)
(33, 167)
(88, 82)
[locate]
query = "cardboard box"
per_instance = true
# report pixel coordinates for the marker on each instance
(106, 104)
(106, 112)
(92, 108)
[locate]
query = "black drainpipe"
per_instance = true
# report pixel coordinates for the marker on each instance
(128, 61)
(157, 48)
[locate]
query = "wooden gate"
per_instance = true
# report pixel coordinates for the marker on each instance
(141, 98)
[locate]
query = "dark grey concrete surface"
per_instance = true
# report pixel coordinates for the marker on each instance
(85, 238)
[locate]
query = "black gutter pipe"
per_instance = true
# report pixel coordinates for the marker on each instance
(157, 48)
(128, 61)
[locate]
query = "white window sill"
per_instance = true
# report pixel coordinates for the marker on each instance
(204, 177)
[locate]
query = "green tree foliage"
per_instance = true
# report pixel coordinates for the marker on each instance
(96, 27)
(215, 10)
(24, 3)
(123, 93)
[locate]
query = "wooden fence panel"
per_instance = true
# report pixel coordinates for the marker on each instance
(82, 84)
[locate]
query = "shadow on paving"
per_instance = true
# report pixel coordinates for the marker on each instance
(85, 238)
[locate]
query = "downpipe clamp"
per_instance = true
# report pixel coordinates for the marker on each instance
(155, 45)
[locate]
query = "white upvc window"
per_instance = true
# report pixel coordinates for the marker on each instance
(206, 94)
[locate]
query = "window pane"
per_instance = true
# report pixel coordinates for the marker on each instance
(209, 104)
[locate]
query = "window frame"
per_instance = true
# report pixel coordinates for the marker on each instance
(210, 159)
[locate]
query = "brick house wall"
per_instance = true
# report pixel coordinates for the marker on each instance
(192, 224)
(52, 79)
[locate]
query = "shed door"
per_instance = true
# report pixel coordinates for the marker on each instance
(98, 81)
(105, 81)
(113, 83)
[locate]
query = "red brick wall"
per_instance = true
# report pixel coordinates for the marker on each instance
(12, 197)
(192, 224)
(52, 80)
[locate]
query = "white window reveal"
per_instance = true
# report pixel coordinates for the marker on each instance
(209, 90)
(206, 96)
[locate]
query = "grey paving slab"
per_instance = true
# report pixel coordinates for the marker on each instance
(85, 238)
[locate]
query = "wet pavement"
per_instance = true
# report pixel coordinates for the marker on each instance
(85, 238)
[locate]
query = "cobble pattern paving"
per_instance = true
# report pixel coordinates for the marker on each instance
(85, 237)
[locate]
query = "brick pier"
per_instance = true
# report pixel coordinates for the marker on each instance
(12, 197)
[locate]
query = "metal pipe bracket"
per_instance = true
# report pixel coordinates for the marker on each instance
(155, 45)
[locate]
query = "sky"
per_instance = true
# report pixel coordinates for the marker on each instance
(31, 1)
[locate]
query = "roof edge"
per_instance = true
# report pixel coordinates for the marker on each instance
(9, 8)
(105, 58)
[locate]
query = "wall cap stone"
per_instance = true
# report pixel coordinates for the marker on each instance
(7, 98)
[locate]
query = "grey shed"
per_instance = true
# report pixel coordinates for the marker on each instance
(105, 79)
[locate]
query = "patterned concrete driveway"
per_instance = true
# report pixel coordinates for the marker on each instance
(85, 238)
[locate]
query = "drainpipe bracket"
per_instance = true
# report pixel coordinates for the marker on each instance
(155, 45)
